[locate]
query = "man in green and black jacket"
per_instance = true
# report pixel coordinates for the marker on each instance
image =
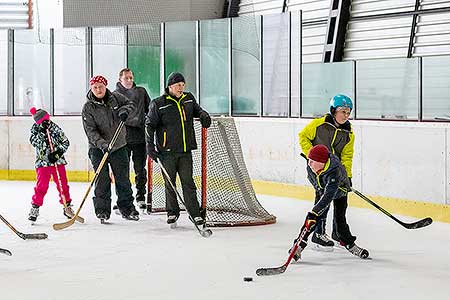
(171, 119)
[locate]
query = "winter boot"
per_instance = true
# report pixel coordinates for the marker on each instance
(358, 251)
(322, 242)
(68, 211)
(34, 213)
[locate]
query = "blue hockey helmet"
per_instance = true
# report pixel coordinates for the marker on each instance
(340, 100)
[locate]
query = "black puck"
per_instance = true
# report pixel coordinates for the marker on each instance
(248, 278)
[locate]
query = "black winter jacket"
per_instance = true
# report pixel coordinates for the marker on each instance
(172, 121)
(332, 183)
(101, 119)
(135, 123)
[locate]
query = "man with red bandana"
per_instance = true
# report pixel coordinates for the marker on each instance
(102, 114)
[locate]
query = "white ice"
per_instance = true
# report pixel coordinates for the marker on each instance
(148, 260)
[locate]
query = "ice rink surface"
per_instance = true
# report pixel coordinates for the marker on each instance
(148, 260)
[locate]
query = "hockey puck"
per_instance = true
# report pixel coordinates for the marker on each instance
(248, 278)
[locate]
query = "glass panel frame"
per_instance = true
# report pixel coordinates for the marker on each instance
(3, 72)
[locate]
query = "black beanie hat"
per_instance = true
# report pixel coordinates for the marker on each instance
(175, 78)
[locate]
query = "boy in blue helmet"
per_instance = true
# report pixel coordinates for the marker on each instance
(334, 131)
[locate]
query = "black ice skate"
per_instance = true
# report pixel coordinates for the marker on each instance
(172, 221)
(34, 213)
(116, 210)
(321, 242)
(130, 214)
(358, 251)
(199, 221)
(141, 205)
(103, 217)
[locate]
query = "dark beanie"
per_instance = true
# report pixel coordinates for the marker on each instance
(319, 153)
(175, 78)
(39, 115)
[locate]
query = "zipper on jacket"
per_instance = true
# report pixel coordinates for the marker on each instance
(181, 118)
(165, 139)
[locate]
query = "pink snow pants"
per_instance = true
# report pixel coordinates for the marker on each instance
(43, 175)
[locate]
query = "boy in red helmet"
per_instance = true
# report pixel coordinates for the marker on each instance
(329, 178)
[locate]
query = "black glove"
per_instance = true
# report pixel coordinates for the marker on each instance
(205, 119)
(310, 222)
(43, 127)
(350, 181)
(153, 153)
(54, 156)
(123, 115)
(104, 148)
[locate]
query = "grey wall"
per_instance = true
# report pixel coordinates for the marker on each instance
(82, 13)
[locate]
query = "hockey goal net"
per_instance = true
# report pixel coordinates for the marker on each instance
(223, 184)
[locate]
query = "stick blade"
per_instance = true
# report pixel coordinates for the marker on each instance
(270, 271)
(59, 226)
(419, 224)
(34, 236)
(5, 252)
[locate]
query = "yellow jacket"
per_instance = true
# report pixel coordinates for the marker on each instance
(339, 140)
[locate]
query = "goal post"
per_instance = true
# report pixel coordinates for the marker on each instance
(223, 184)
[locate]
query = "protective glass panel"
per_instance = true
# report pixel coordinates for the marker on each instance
(321, 82)
(180, 48)
(436, 88)
(296, 28)
(3, 71)
(108, 53)
(387, 89)
(70, 71)
(276, 65)
(144, 56)
(31, 70)
(214, 70)
(246, 65)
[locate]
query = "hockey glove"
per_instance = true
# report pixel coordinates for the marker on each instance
(54, 156)
(310, 221)
(205, 119)
(123, 115)
(104, 148)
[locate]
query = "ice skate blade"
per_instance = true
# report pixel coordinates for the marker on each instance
(173, 225)
(320, 248)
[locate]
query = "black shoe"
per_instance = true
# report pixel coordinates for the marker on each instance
(358, 251)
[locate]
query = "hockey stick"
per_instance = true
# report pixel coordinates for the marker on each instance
(203, 232)
(70, 222)
(5, 251)
(281, 269)
(58, 176)
(413, 225)
(25, 236)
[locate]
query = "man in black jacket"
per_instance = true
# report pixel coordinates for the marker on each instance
(171, 119)
(135, 126)
(102, 113)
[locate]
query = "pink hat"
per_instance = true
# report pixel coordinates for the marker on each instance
(98, 78)
(39, 115)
